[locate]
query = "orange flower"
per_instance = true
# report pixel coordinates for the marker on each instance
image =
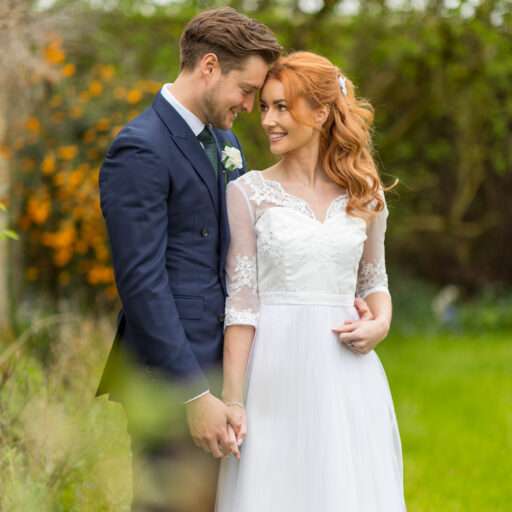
(100, 274)
(154, 86)
(5, 152)
(59, 179)
(133, 96)
(48, 239)
(62, 257)
(48, 165)
(38, 209)
(68, 70)
(120, 93)
(95, 88)
(68, 152)
(76, 112)
(111, 292)
(107, 72)
(33, 125)
(103, 124)
(84, 96)
(93, 154)
(101, 253)
(151, 86)
(64, 238)
(89, 135)
(81, 247)
(75, 178)
(115, 130)
(53, 52)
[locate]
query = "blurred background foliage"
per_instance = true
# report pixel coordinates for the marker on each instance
(438, 78)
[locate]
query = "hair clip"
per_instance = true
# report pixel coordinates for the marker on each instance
(343, 86)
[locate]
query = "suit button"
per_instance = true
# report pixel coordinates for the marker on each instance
(204, 233)
(222, 318)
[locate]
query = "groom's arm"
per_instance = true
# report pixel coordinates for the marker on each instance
(134, 189)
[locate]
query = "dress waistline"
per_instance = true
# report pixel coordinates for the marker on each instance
(313, 298)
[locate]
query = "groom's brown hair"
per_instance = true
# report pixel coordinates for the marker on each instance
(230, 35)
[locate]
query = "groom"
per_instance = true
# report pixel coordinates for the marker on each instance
(162, 188)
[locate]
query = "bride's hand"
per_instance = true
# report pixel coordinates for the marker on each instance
(238, 421)
(362, 336)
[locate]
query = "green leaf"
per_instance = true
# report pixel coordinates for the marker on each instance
(8, 233)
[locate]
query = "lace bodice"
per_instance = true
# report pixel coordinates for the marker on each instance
(278, 246)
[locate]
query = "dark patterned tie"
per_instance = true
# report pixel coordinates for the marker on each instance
(210, 147)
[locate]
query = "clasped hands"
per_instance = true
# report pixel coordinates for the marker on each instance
(215, 427)
(220, 429)
(361, 336)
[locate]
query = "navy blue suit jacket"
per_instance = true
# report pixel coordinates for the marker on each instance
(166, 218)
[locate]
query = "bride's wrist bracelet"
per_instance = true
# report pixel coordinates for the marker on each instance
(235, 403)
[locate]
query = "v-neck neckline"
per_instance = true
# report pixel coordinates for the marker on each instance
(279, 185)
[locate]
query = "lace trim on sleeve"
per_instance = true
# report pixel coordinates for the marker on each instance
(242, 290)
(372, 277)
(240, 317)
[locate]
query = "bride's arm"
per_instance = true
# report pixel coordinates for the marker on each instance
(242, 303)
(237, 347)
(372, 286)
(381, 307)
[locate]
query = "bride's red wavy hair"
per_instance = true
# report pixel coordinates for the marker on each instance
(345, 138)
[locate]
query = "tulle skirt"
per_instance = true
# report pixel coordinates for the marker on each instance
(321, 431)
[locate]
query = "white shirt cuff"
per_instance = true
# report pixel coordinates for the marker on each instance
(198, 396)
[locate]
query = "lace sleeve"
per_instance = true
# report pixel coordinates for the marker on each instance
(372, 276)
(242, 304)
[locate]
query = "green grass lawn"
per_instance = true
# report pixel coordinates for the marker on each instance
(453, 398)
(452, 393)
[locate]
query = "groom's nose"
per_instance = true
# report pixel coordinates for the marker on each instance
(248, 103)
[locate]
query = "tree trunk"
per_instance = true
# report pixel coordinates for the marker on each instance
(4, 193)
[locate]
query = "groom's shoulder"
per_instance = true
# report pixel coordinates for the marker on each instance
(143, 130)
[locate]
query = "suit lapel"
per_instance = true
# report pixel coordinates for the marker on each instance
(189, 146)
(223, 216)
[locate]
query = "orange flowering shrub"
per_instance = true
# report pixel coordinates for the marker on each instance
(57, 159)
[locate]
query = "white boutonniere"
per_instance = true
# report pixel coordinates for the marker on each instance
(231, 158)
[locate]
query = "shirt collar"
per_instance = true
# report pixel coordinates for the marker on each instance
(194, 123)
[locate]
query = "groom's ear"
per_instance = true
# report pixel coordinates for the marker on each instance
(209, 64)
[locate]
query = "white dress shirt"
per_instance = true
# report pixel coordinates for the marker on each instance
(197, 126)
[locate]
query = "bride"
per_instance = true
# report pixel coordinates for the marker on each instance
(316, 415)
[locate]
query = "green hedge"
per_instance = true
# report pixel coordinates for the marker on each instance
(440, 84)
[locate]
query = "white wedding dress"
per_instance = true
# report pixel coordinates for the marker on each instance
(322, 433)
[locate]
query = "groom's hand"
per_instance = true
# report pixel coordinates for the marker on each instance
(207, 422)
(365, 314)
(363, 310)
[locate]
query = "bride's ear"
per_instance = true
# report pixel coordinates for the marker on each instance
(321, 114)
